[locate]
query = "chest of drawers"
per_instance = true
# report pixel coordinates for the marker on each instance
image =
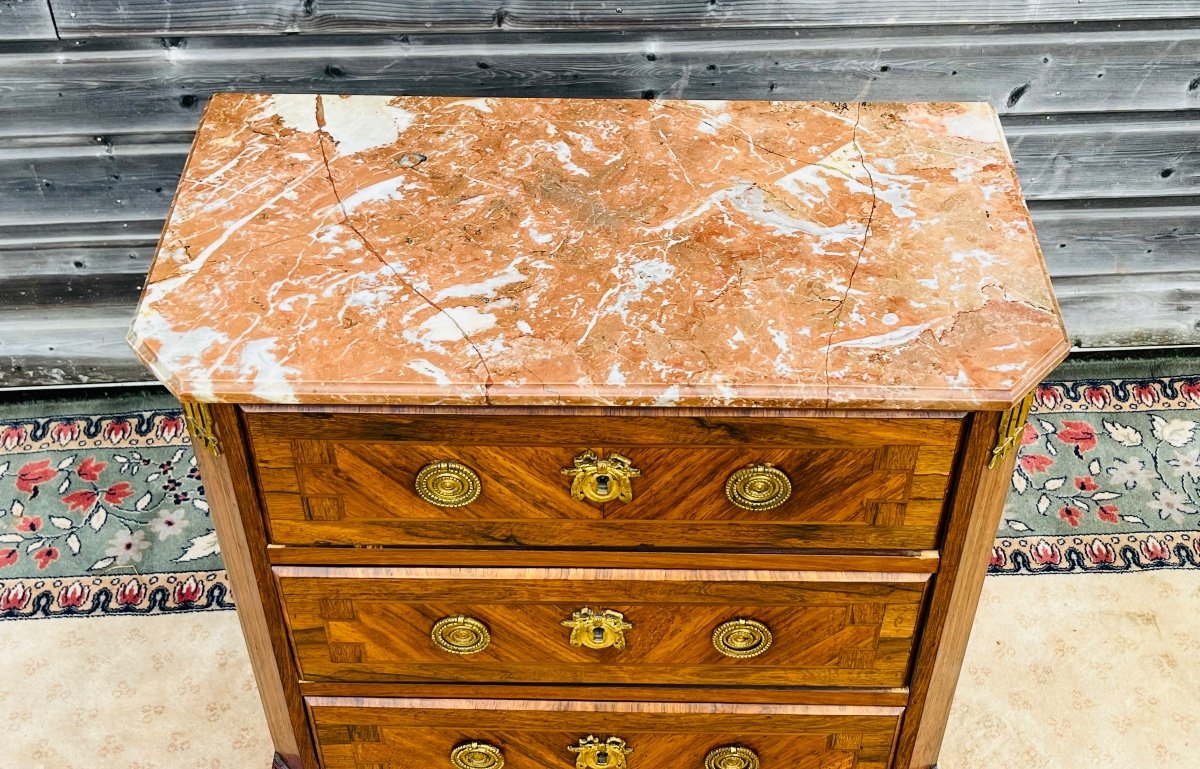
(601, 434)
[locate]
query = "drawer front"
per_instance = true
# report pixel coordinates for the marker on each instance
(533, 734)
(854, 483)
(821, 629)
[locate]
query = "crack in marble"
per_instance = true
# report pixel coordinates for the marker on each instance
(858, 260)
(322, 135)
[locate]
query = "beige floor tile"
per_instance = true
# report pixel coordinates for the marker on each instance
(1083, 671)
(161, 692)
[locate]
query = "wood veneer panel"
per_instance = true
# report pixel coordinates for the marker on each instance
(829, 629)
(238, 522)
(920, 562)
(897, 697)
(399, 734)
(348, 479)
(977, 504)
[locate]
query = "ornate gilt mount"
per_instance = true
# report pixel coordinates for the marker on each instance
(731, 757)
(460, 635)
(1012, 424)
(448, 484)
(200, 422)
(742, 638)
(602, 480)
(598, 631)
(591, 753)
(758, 487)
(477, 755)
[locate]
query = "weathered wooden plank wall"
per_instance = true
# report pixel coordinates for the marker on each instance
(26, 20)
(1102, 117)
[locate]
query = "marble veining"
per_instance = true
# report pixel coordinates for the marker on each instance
(414, 250)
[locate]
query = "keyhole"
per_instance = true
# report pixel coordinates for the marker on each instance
(602, 484)
(598, 635)
(601, 759)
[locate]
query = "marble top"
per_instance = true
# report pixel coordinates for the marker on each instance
(413, 250)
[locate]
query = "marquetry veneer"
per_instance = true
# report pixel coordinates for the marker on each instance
(828, 628)
(857, 483)
(408, 733)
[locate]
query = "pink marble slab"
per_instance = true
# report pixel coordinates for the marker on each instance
(410, 250)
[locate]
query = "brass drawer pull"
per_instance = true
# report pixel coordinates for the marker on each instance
(598, 631)
(731, 757)
(602, 480)
(742, 638)
(477, 755)
(447, 484)
(594, 754)
(460, 635)
(758, 487)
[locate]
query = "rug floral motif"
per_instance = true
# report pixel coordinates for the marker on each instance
(1107, 479)
(104, 514)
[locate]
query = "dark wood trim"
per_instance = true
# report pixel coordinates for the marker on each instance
(238, 520)
(977, 503)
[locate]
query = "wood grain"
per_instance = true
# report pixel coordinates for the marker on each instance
(50, 346)
(1112, 157)
(26, 20)
(56, 89)
(855, 482)
(390, 734)
(829, 629)
(977, 503)
(919, 562)
(157, 17)
(1095, 240)
(1163, 304)
(869, 697)
(238, 524)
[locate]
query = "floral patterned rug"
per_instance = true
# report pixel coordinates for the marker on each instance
(1107, 479)
(105, 514)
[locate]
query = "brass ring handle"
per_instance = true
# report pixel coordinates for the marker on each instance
(742, 638)
(731, 757)
(601, 480)
(460, 635)
(592, 753)
(598, 630)
(477, 755)
(758, 487)
(448, 484)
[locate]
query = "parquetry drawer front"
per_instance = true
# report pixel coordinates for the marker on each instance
(524, 734)
(610, 626)
(604, 482)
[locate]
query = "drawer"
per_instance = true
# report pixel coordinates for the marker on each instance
(352, 479)
(732, 628)
(537, 734)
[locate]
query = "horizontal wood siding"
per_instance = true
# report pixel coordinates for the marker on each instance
(1101, 117)
(88, 18)
(26, 20)
(157, 85)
